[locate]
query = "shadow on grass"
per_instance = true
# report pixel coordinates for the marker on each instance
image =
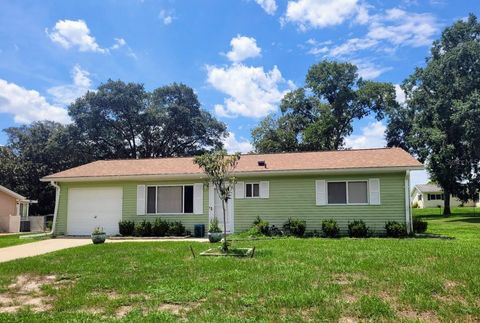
(471, 219)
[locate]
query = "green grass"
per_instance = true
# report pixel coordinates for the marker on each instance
(14, 239)
(289, 279)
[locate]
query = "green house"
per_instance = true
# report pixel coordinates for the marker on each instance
(368, 184)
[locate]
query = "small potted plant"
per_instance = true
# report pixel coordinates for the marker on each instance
(98, 235)
(214, 231)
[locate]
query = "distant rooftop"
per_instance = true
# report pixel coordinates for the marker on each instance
(429, 188)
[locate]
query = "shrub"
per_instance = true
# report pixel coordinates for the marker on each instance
(419, 226)
(295, 227)
(275, 231)
(126, 228)
(330, 228)
(358, 229)
(143, 229)
(262, 226)
(395, 229)
(176, 229)
(159, 228)
(213, 226)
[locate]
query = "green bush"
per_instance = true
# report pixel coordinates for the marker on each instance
(176, 229)
(419, 226)
(143, 229)
(262, 226)
(395, 229)
(126, 228)
(295, 227)
(358, 229)
(160, 228)
(330, 228)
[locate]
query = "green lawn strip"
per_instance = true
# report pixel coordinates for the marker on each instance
(287, 280)
(14, 239)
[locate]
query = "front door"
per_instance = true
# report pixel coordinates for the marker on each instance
(218, 210)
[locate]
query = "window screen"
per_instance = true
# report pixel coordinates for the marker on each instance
(151, 199)
(169, 199)
(188, 199)
(337, 193)
(357, 192)
(252, 190)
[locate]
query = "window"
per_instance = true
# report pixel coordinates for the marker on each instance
(348, 192)
(252, 190)
(169, 199)
(433, 197)
(357, 192)
(419, 197)
(337, 193)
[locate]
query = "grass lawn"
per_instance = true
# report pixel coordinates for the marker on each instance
(288, 280)
(14, 239)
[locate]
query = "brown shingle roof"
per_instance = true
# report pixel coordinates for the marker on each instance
(327, 160)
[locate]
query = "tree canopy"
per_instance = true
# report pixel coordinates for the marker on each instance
(440, 121)
(123, 120)
(118, 120)
(319, 116)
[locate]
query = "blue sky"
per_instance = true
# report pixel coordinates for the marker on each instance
(240, 56)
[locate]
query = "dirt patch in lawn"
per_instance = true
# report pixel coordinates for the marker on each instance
(347, 279)
(410, 314)
(26, 291)
(178, 309)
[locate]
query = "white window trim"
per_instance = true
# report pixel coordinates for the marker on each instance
(156, 199)
(252, 197)
(346, 191)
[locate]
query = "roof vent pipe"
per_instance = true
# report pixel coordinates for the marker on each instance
(262, 163)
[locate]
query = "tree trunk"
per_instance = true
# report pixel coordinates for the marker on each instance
(446, 208)
(225, 245)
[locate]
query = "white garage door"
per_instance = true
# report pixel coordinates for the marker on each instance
(94, 207)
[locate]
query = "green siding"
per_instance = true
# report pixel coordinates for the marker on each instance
(295, 197)
(290, 196)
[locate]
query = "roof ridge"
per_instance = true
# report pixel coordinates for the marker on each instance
(254, 154)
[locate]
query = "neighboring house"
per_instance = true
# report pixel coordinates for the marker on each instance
(370, 184)
(431, 195)
(13, 207)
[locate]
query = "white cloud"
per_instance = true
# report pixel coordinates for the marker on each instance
(66, 94)
(403, 28)
(252, 92)
(119, 42)
(166, 16)
(28, 105)
(369, 70)
(321, 13)
(373, 136)
(395, 28)
(270, 6)
(400, 94)
(232, 145)
(242, 48)
(74, 33)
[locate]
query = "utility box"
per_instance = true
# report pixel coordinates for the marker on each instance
(199, 230)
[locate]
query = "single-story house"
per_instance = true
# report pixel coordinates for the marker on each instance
(13, 207)
(431, 195)
(369, 184)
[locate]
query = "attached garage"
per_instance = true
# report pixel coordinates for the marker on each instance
(89, 208)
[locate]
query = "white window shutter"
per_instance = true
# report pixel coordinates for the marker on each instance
(140, 199)
(374, 188)
(320, 192)
(198, 198)
(239, 190)
(264, 189)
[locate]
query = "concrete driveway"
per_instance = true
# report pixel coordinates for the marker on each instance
(51, 245)
(39, 248)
